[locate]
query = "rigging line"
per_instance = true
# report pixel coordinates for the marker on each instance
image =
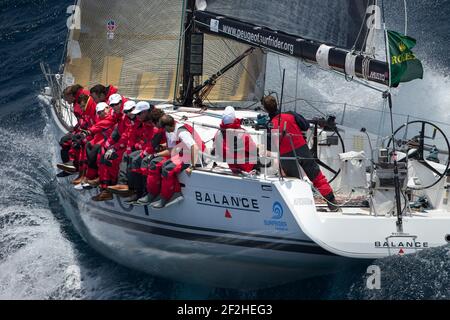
(406, 17)
(243, 65)
(279, 67)
(367, 108)
(382, 122)
(296, 84)
(250, 106)
(169, 52)
(317, 109)
(360, 31)
(358, 81)
(215, 106)
(368, 32)
(180, 53)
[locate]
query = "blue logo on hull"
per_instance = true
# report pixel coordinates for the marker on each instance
(277, 211)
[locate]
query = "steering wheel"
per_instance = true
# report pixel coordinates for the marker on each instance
(425, 147)
(314, 146)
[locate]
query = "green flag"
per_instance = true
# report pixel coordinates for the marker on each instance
(404, 64)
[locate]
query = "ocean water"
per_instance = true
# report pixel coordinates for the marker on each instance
(41, 255)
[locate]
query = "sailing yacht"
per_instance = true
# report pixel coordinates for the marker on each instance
(192, 58)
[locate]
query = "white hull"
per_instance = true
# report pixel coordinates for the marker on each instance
(252, 232)
(193, 241)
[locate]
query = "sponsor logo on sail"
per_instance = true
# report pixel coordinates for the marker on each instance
(111, 26)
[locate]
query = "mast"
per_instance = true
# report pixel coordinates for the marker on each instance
(188, 78)
(387, 95)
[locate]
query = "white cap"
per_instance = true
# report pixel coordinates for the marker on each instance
(141, 106)
(114, 99)
(101, 106)
(229, 115)
(129, 105)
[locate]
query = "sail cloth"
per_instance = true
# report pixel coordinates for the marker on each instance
(330, 52)
(244, 82)
(340, 23)
(132, 44)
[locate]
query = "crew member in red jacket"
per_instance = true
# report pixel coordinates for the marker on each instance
(101, 93)
(88, 119)
(292, 143)
(68, 154)
(115, 146)
(184, 145)
(233, 145)
(97, 135)
(146, 139)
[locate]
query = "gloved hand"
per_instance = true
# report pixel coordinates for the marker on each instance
(151, 157)
(109, 154)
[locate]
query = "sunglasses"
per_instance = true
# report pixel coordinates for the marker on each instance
(104, 110)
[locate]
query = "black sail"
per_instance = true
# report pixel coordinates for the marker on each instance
(330, 33)
(341, 23)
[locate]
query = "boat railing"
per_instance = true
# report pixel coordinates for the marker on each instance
(349, 115)
(62, 109)
(268, 163)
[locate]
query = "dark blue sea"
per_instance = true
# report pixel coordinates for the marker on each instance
(42, 256)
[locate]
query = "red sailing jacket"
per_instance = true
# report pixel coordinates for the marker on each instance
(89, 116)
(120, 135)
(111, 90)
(101, 131)
(241, 152)
(78, 112)
(147, 137)
(132, 135)
(292, 132)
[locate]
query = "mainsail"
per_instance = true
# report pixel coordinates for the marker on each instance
(131, 44)
(136, 45)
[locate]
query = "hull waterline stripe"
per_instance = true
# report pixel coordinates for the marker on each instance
(249, 235)
(223, 207)
(263, 245)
